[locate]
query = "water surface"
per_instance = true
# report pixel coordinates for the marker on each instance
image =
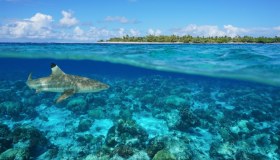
(253, 62)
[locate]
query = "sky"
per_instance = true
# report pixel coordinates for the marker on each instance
(93, 20)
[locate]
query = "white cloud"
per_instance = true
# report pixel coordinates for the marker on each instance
(195, 30)
(78, 31)
(41, 20)
(119, 19)
(134, 32)
(99, 33)
(68, 19)
(42, 27)
(232, 31)
(78, 34)
(95, 33)
(156, 32)
(121, 32)
(277, 28)
(211, 31)
(38, 26)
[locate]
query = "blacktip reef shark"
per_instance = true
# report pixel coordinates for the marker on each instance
(64, 83)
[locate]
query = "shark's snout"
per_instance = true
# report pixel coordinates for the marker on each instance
(105, 86)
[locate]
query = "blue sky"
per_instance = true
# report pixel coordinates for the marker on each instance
(91, 20)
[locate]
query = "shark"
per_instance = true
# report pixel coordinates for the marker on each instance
(63, 83)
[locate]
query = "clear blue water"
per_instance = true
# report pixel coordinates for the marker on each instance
(213, 101)
(252, 62)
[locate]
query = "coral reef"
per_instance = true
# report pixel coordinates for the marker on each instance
(144, 118)
(126, 132)
(123, 151)
(5, 138)
(187, 119)
(23, 142)
(84, 125)
(175, 101)
(77, 105)
(31, 138)
(11, 108)
(164, 155)
(96, 113)
(156, 144)
(15, 153)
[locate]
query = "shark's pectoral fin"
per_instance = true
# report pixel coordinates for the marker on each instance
(67, 93)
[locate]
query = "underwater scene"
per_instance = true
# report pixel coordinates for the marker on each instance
(139, 101)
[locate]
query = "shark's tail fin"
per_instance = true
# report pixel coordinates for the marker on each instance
(29, 77)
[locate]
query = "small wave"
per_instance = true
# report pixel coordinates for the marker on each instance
(251, 62)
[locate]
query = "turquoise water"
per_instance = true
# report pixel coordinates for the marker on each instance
(253, 62)
(175, 101)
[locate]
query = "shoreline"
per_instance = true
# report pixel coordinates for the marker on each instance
(179, 43)
(140, 43)
(174, 43)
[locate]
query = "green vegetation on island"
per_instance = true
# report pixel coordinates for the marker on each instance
(191, 39)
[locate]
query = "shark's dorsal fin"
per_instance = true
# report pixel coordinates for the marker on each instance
(56, 71)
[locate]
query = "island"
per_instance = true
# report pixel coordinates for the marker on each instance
(191, 39)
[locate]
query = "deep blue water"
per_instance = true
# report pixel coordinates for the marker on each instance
(212, 101)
